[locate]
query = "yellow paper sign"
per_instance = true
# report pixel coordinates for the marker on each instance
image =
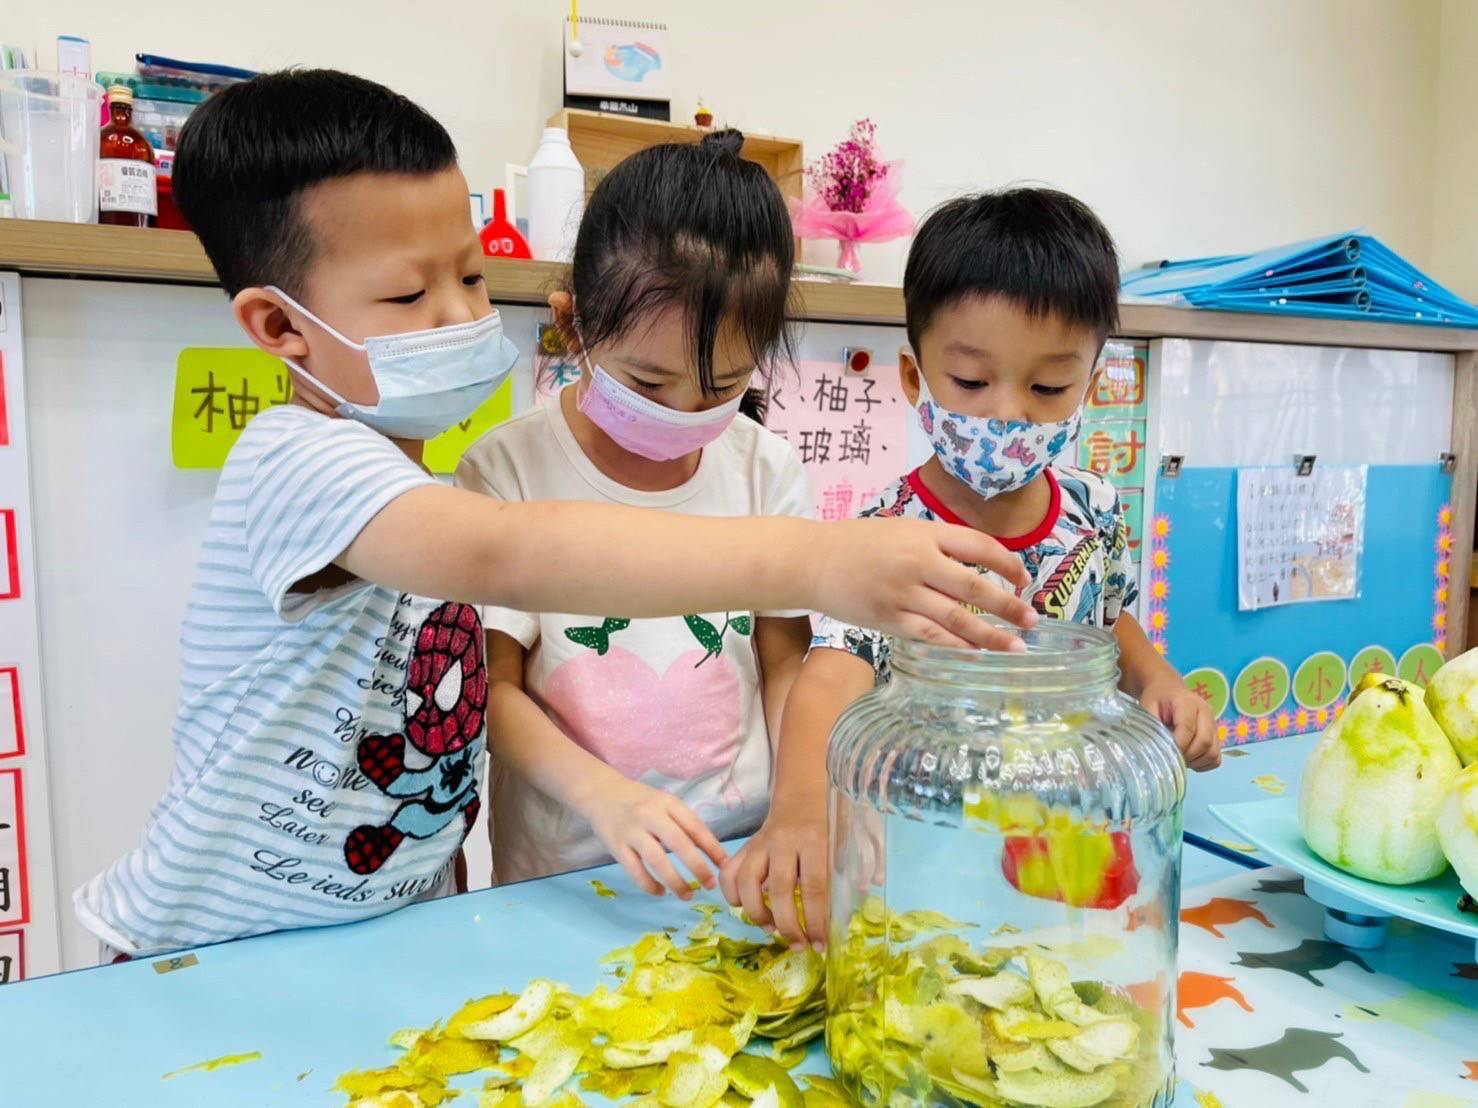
(217, 391)
(446, 450)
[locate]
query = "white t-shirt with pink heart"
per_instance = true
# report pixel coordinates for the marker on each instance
(674, 703)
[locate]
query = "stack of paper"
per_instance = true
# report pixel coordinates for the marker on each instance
(1348, 276)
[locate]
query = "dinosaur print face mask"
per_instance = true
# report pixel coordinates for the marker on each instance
(993, 456)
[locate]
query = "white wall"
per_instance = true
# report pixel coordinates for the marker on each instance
(1455, 208)
(1194, 126)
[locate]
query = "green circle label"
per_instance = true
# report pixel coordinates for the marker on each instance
(1373, 659)
(1211, 686)
(1261, 688)
(1320, 680)
(1420, 664)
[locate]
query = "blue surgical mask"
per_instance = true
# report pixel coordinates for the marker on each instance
(427, 380)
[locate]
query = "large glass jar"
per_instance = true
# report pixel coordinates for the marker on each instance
(1005, 837)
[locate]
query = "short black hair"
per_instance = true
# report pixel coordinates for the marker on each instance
(694, 225)
(1040, 248)
(246, 155)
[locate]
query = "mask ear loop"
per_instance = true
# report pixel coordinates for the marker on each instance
(361, 347)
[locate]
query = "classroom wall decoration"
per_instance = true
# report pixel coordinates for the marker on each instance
(28, 924)
(12, 726)
(618, 58)
(851, 431)
(15, 889)
(218, 391)
(1113, 439)
(1273, 668)
(1299, 535)
(1277, 673)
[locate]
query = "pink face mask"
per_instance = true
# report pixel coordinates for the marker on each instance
(642, 426)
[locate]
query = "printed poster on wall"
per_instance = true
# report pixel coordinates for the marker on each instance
(1299, 538)
(1113, 438)
(851, 431)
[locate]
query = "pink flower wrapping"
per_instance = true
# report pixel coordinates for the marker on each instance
(882, 217)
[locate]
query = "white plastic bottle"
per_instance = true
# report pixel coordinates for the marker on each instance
(556, 197)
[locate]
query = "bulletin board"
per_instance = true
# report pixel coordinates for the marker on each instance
(1225, 408)
(1287, 670)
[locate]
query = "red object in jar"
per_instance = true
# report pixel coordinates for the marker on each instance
(500, 238)
(1028, 865)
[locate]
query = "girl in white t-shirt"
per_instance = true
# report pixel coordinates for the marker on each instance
(627, 739)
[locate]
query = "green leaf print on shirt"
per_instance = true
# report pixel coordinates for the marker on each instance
(597, 639)
(711, 638)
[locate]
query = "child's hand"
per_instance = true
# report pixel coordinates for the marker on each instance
(789, 851)
(1189, 719)
(640, 825)
(910, 578)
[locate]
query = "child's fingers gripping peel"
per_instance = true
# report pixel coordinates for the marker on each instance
(779, 894)
(745, 886)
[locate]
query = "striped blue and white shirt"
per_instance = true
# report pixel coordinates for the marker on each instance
(328, 745)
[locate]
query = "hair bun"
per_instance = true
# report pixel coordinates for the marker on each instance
(727, 141)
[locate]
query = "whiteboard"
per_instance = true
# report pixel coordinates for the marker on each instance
(1247, 403)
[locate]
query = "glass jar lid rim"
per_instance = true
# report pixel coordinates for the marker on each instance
(1053, 646)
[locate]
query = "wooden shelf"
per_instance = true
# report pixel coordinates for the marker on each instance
(601, 139)
(175, 257)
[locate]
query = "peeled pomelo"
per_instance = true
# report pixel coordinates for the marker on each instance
(1373, 785)
(1375, 679)
(1452, 698)
(1457, 828)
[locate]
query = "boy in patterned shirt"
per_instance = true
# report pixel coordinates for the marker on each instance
(1009, 297)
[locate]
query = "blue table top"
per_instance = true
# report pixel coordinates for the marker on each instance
(319, 1002)
(1256, 771)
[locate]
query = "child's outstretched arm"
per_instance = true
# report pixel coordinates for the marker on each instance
(1154, 683)
(638, 824)
(789, 851)
(904, 577)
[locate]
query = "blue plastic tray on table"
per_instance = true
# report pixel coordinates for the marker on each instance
(1356, 910)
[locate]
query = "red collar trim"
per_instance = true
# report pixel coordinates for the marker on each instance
(1015, 542)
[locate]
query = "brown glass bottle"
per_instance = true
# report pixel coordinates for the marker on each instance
(127, 186)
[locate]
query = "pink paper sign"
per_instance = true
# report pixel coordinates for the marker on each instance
(851, 431)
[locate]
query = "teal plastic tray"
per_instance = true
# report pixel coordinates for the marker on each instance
(1273, 826)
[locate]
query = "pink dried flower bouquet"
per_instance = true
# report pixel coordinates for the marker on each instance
(852, 196)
